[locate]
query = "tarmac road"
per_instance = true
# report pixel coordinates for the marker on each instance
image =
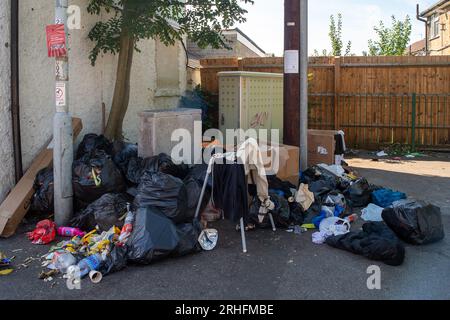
(278, 265)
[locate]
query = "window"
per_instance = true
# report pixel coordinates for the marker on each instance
(435, 25)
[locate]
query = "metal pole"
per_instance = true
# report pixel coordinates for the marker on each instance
(62, 131)
(303, 63)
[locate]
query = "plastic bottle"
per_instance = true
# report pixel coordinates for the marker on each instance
(62, 261)
(70, 232)
(90, 263)
(127, 227)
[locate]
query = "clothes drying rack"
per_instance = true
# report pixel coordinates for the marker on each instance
(202, 194)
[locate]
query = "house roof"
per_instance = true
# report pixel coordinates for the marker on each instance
(239, 31)
(442, 4)
(417, 46)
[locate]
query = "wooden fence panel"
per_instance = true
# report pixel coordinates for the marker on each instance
(370, 98)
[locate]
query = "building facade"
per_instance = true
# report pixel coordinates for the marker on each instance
(157, 82)
(241, 47)
(438, 25)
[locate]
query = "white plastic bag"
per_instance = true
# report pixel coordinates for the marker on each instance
(335, 226)
(372, 213)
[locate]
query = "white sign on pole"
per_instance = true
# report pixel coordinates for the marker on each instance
(291, 61)
(60, 94)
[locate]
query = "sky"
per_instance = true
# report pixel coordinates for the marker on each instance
(265, 21)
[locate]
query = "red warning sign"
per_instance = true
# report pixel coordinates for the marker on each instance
(56, 40)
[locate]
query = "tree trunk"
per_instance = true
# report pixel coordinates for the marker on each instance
(121, 97)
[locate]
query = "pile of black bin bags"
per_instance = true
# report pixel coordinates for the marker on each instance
(109, 176)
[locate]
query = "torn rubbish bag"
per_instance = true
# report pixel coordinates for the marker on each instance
(104, 212)
(43, 196)
(115, 261)
(92, 142)
(359, 193)
(96, 177)
(375, 242)
(44, 233)
(154, 236)
(415, 222)
(164, 192)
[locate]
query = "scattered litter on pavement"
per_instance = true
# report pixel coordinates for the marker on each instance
(134, 210)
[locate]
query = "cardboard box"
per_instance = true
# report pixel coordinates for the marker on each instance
(321, 147)
(289, 162)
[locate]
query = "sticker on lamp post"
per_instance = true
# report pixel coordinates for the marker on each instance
(56, 40)
(60, 94)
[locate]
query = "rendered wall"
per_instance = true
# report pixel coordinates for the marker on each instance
(6, 148)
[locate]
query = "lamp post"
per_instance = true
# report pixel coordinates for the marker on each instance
(62, 130)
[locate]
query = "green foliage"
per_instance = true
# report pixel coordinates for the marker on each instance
(335, 34)
(166, 20)
(393, 40)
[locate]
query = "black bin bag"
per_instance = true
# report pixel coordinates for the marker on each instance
(122, 154)
(109, 178)
(43, 196)
(415, 222)
(160, 163)
(104, 212)
(188, 234)
(154, 236)
(164, 192)
(92, 142)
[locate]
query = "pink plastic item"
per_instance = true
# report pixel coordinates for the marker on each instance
(70, 232)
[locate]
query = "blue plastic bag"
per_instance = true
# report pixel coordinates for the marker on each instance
(386, 197)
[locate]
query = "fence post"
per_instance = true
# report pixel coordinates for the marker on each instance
(337, 90)
(413, 122)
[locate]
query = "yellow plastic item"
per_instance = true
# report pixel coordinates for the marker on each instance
(6, 272)
(309, 226)
(97, 179)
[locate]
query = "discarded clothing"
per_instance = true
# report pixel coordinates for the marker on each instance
(372, 213)
(415, 222)
(304, 197)
(375, 242)
(230, 190)
(386, 197)
(320, 237)
(276, 183)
